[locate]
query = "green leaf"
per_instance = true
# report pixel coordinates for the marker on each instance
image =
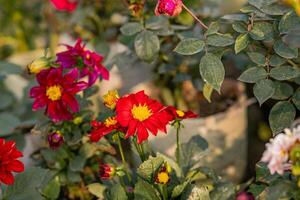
(8, 123)
(285, 51)
(263, 174)
(146, 45)
(131, 28)
(239, 27)
(263, 90)
(282, 91)
(207, 91)
(281, 116)
(276, 61)
(189, 46)
(52, 189)
(172, 163)
(282, 73)
(145, 191)
(27, 185)
(253, 74)
(257, 58)
(274, 9)
(256, 190)
(198, 192)
(288, 21)
(241, 43)
(281, 190)
(157, 23)
(148, 168)
(212, 70)
(97, 189)
(220, 40)
(77, 163)
(117, 192)
(7, 99)
(213, 28)
(223, 191)
(178, 189)
(296, 99)
(257, 33)
(7, 68)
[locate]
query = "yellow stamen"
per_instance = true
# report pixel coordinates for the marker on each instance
(111, 121)
(180, 113)
(141, 112)
(110, 99)
(54, 93)
(163, 178)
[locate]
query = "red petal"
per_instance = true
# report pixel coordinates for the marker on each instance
(7, 178)
(71, 102)
(142, 133)
(71, 76)
(15, 166)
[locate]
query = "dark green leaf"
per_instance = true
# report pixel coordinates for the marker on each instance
(281, 116)
(276, 61)
(131, 28)
(263, 90)
(178, 189)
(145, 191)
(148, 168)
(117, 192)
(212, 70)
(9, 68)
(257, 58)
(296, 99)
(285, 51)
(288, 21)
(189, 46)
(213, 28)
(220, 40)
(253, 74)
(282, 91)
(96, 189)
(241, 43)
(239, 27)
(8, 123)
(52, 189)
(77, 163)
(157, 23)
(146, 45)
(282, 73)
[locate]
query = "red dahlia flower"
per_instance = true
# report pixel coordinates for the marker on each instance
(89, 63)
(65, 5)
(179, 115)
(100, 129)
(141, 115)
(168, 7)
(9, 162)
(106, 171)
(56, 92)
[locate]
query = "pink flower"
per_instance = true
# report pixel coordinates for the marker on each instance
(277, 152)
(56, 92)
(245, 196)
(89, 63)
(168, 7)
(55, 139)
(65, 5)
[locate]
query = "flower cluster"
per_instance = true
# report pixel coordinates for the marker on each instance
(282, 153)
(9, 162)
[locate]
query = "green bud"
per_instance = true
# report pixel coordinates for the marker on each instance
(38, 65)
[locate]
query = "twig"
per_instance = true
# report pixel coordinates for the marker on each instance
(195, 17)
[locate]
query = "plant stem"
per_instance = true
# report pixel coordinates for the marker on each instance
(178, 149)
(139, 149)
(195, 17)
(163, 191)
(123, 158)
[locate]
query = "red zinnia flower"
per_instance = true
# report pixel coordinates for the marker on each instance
(168, 7)
(141, 115)
(9, 162)
(101, 129)
(178, 114)
(106, 171)
(89, 63)
(65, 5)
(56, 92)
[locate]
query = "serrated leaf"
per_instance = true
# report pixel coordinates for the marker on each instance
(281, 116)
(189, 46)
(213, 28)
(207, 91)
(220, 40)
(282, 91)
(253, 74)
(284, 50)
(145, 191)
(149, 167)
(241, 43)
(282, 73)
(212, 70)
(263, 90)
(296, 99)
(96, 189)
(131, 28)
(257, 58)
(146, 45)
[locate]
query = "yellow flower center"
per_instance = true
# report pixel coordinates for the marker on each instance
(54, 92)
(163, 177)
(111, 121)
(180, 113)
(110, 99)
(141, 112)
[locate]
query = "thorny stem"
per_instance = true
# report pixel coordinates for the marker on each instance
(123, 158)
(195, 17)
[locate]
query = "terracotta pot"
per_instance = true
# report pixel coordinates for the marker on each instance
(226, 133)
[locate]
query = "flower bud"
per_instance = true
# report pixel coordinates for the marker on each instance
(163, 176)
(245, 196)
(168, 7)
(55, 139)
(77, 120)
(38, 65)
(110, 99)
(106, 171)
